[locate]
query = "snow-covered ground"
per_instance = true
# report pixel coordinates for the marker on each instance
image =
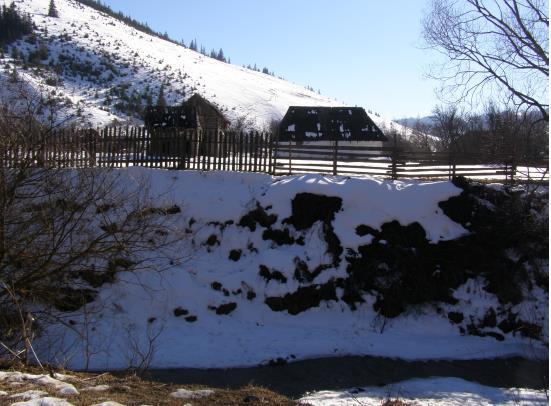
(125, 57)
(174, 315)
(429, 392)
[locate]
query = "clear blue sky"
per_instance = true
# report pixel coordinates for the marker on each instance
(361, 52)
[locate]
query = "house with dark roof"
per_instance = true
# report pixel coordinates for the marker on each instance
(314, 124)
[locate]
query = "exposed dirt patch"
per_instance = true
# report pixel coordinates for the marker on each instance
(269, 275)
(257, 216)
(225, 308)
(235, 255)
(309, 208)
(303, 298)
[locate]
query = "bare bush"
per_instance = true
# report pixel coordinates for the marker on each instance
(66, 232)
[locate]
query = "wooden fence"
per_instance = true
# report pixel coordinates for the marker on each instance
(254, 152)
(350, 158)
(119, 147)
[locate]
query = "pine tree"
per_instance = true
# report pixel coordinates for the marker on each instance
(161, 101)
(220, 56)
(52, 10)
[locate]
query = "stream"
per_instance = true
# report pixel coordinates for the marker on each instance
(296, 378)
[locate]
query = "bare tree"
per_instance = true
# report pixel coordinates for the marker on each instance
(65, 232)
(449, 126)
(492, 48)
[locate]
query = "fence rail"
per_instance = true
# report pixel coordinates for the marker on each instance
(176, 148)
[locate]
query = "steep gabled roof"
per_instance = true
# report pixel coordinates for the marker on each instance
(197, 99)
(313, 123)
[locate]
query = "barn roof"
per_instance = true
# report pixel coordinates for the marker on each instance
(170, 117)
(313, 123)
(183, 116)
(198, 99)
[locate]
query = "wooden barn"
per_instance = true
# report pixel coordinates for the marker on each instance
(193, 122)
(208, 116)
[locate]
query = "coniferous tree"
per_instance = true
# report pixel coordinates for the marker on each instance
(52, 10)
(13, 24)
(161, 101)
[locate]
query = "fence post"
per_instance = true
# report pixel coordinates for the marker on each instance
(273, 154)
(453, 157)
(290, 153)
(335, 154)
(513, 168)
(394, 157)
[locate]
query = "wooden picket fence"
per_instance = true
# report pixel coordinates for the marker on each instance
(175, 148)
(118, 147)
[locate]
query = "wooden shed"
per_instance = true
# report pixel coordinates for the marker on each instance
(209, 117)
(195, 121)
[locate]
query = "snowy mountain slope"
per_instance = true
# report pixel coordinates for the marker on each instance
(107, 67)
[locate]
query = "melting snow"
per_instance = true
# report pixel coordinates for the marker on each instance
(429, 392)
(191, 394)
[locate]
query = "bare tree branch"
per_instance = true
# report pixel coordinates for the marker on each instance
(492, 47)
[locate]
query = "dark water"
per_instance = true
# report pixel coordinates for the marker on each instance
(294, 379)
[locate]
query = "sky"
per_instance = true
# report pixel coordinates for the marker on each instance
(364, 53)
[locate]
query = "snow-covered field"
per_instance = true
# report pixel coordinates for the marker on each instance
(175, 315)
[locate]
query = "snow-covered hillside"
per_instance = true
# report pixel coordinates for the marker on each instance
(98, 62)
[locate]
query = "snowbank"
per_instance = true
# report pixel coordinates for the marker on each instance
(210, 310)
(431, 391)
